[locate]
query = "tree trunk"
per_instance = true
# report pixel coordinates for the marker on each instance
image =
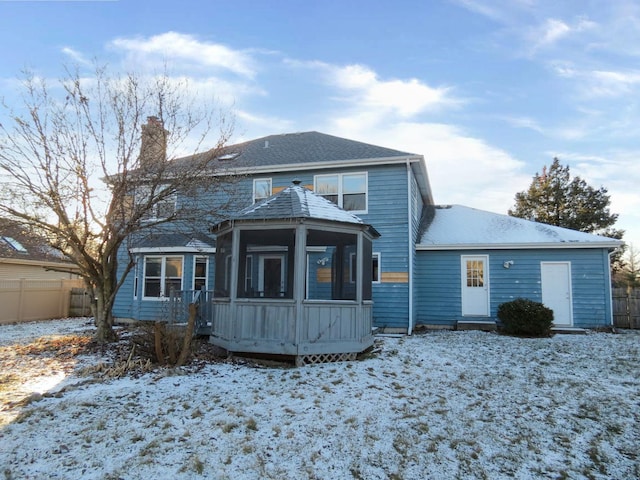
(158, 336)
(188, 335)
(103, 318)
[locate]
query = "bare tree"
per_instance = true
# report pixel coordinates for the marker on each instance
(79, 164)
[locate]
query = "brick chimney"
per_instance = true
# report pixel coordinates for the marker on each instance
(153, 147)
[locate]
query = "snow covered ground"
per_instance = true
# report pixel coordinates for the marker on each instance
(435, 406)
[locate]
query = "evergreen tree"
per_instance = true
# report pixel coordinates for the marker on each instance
(557, 199)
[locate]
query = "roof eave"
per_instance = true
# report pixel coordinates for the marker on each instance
(518, 246)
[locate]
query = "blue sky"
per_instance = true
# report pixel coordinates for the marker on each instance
(487, 91)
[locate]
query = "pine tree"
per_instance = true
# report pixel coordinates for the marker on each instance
(557, 199)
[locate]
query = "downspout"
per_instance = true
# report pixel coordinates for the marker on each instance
(611, 252)
(410, 247)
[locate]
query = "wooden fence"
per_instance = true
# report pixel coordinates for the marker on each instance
(27, 300)
(626, 308)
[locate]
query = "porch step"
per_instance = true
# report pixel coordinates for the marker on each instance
(569, 330)
(484, 325)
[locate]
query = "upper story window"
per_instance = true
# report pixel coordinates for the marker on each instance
(347, 190)
(261, 189)
(161, 275)
(161, 209)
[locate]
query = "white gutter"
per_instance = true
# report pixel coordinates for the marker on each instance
(411, 252)
(175, 249)
(518, 246)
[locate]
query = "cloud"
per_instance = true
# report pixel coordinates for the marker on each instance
(184, 49)
(262, 124)
(596, 83)
(462, 169)
(604, 170)
(362, 88)
(404, 97)
(76, 56)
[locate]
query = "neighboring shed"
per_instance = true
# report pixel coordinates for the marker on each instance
(293, 277)
(470, 261)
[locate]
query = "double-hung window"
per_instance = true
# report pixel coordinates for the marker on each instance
(159, 209)
(261, 189)
(347, 190)
(161, 275)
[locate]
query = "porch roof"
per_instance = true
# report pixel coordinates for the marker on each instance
(297, 202)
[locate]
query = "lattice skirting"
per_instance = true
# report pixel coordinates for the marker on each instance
(303, 360)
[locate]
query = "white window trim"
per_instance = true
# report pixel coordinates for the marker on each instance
(340, 192)
(206, 272)
(248, 272)
(379, 255)
(255, 180)
(136, 279)
(163, 295)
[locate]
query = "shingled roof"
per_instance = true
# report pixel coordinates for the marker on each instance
(299, 149)
(459, 227)
(297, 202)
(176, 241)
(306, 147)
(17, 242)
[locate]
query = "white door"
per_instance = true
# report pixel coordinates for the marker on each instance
(556, 291)
(475, 285)
(271, 276)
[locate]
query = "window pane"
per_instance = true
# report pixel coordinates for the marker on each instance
(199, 283)
(262, 189)
(153, 267)
(172, 284)
(201, 268)
(355, 202)
(356, 183)
(475, 273)
(375, 266)
(152, 287)
(173, 267)
(327, 185)
(332, 198)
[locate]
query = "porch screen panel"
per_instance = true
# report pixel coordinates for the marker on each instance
(367, 269)
(265, 266)
(223, 265)
(331, 257)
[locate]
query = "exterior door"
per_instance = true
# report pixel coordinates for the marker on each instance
(475, 285)
(556, 291)
(271, 276)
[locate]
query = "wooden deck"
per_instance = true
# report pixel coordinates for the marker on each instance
(287, 328)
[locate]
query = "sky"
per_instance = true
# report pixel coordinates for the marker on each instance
(488, 91)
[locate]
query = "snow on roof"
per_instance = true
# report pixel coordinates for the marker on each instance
(296, 201)
(457, 226)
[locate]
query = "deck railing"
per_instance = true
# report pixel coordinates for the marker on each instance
(179, 301)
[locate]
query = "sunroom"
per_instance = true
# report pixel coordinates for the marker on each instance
(293, 278)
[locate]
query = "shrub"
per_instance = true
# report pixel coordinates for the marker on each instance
(526, 317)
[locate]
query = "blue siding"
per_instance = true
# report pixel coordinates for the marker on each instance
(387, 212)
(438, 279)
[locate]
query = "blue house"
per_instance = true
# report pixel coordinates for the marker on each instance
(432, 265)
